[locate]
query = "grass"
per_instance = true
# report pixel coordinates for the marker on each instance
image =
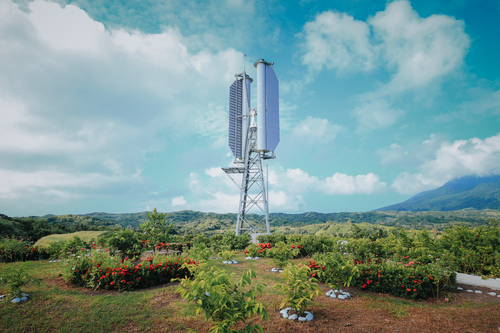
(84, 235)
(58, 307)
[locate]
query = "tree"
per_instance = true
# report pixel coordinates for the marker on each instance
(156, 228)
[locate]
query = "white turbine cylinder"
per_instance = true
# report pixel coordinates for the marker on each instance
(245, 111)
(261, 106)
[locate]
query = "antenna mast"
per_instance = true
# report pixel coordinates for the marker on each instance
(251, 140)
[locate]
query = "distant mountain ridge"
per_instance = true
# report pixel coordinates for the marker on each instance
(458, 194)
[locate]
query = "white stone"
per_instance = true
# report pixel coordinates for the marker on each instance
(335, 291)
(293, 317)
(478, 292)
(492, 294)
(248, 258)
(285, 310)
(470, 291)
(340, 291)
(302, 318)
(285, 314)
(16, 300)
(207, 293)
(274, 270)
(309, 317)
(281, 271)
(256, 258)
(460, 288)
(333, 295)
(342, 297)
(328, 293)
(235, 262)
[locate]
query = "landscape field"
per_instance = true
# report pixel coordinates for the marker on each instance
(58, 306)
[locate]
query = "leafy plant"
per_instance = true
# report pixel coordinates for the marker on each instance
(300, 287)
(227, 303)
(17, 279)
(282, 253)
(156, 228)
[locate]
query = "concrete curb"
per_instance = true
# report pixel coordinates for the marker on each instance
(474, 280)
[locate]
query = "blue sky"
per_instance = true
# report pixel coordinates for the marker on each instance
(115, 107)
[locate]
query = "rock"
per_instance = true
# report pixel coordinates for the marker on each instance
(285, 314)
(335, 291)
(293, 317)
(274, 270)
(460, 288)
(256, 258)
(280, 271)
(478, 292)
(492, 294)
(248, 258)
(207, 293)
(340, 291)
(342, 296)
(24, 299)
(328, 293)
(309, 317)
(285, 310)
(235, 262)
(302, 319)
(470, 291)
(16, 300)
(332, 295)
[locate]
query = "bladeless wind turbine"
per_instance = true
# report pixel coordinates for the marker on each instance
(254, 134)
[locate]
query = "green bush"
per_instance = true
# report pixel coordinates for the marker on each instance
(12, 249)
(102, 270)
(226, 302)
(300, 287)
(128, 242)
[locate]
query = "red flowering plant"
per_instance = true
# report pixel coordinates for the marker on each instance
(282, 253)
(103, 270)
(254, 250)
(409, 280)
(12, 249)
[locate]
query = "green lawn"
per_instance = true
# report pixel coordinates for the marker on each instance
(84, 235)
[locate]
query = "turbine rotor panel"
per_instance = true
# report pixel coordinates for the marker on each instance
(235, 119)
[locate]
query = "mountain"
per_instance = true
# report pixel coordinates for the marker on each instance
(458, 194)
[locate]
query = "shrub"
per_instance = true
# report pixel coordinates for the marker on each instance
(12, 249)
(300, 287)
(282, 253)
(103, 270)
(227, 303)
(17, 279)
(126, 241)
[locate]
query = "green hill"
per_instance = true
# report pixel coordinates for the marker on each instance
(458, 194)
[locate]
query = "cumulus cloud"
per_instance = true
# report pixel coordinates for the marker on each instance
(337, 41)
(83, 104)
(179, 201)
(316, 130)
(288, 189)
(415, 52)
(375, 114)
(472, 157)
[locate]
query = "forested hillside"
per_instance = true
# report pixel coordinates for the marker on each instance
(192, 222)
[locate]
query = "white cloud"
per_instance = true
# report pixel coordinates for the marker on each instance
(337, 41)
(375, 115)
(288, 189)
(419, 49)
(415, 52)
(81, 104)
(344, 184)
(453, 160)
(316, 130)
(179, 201)
(67, 29)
